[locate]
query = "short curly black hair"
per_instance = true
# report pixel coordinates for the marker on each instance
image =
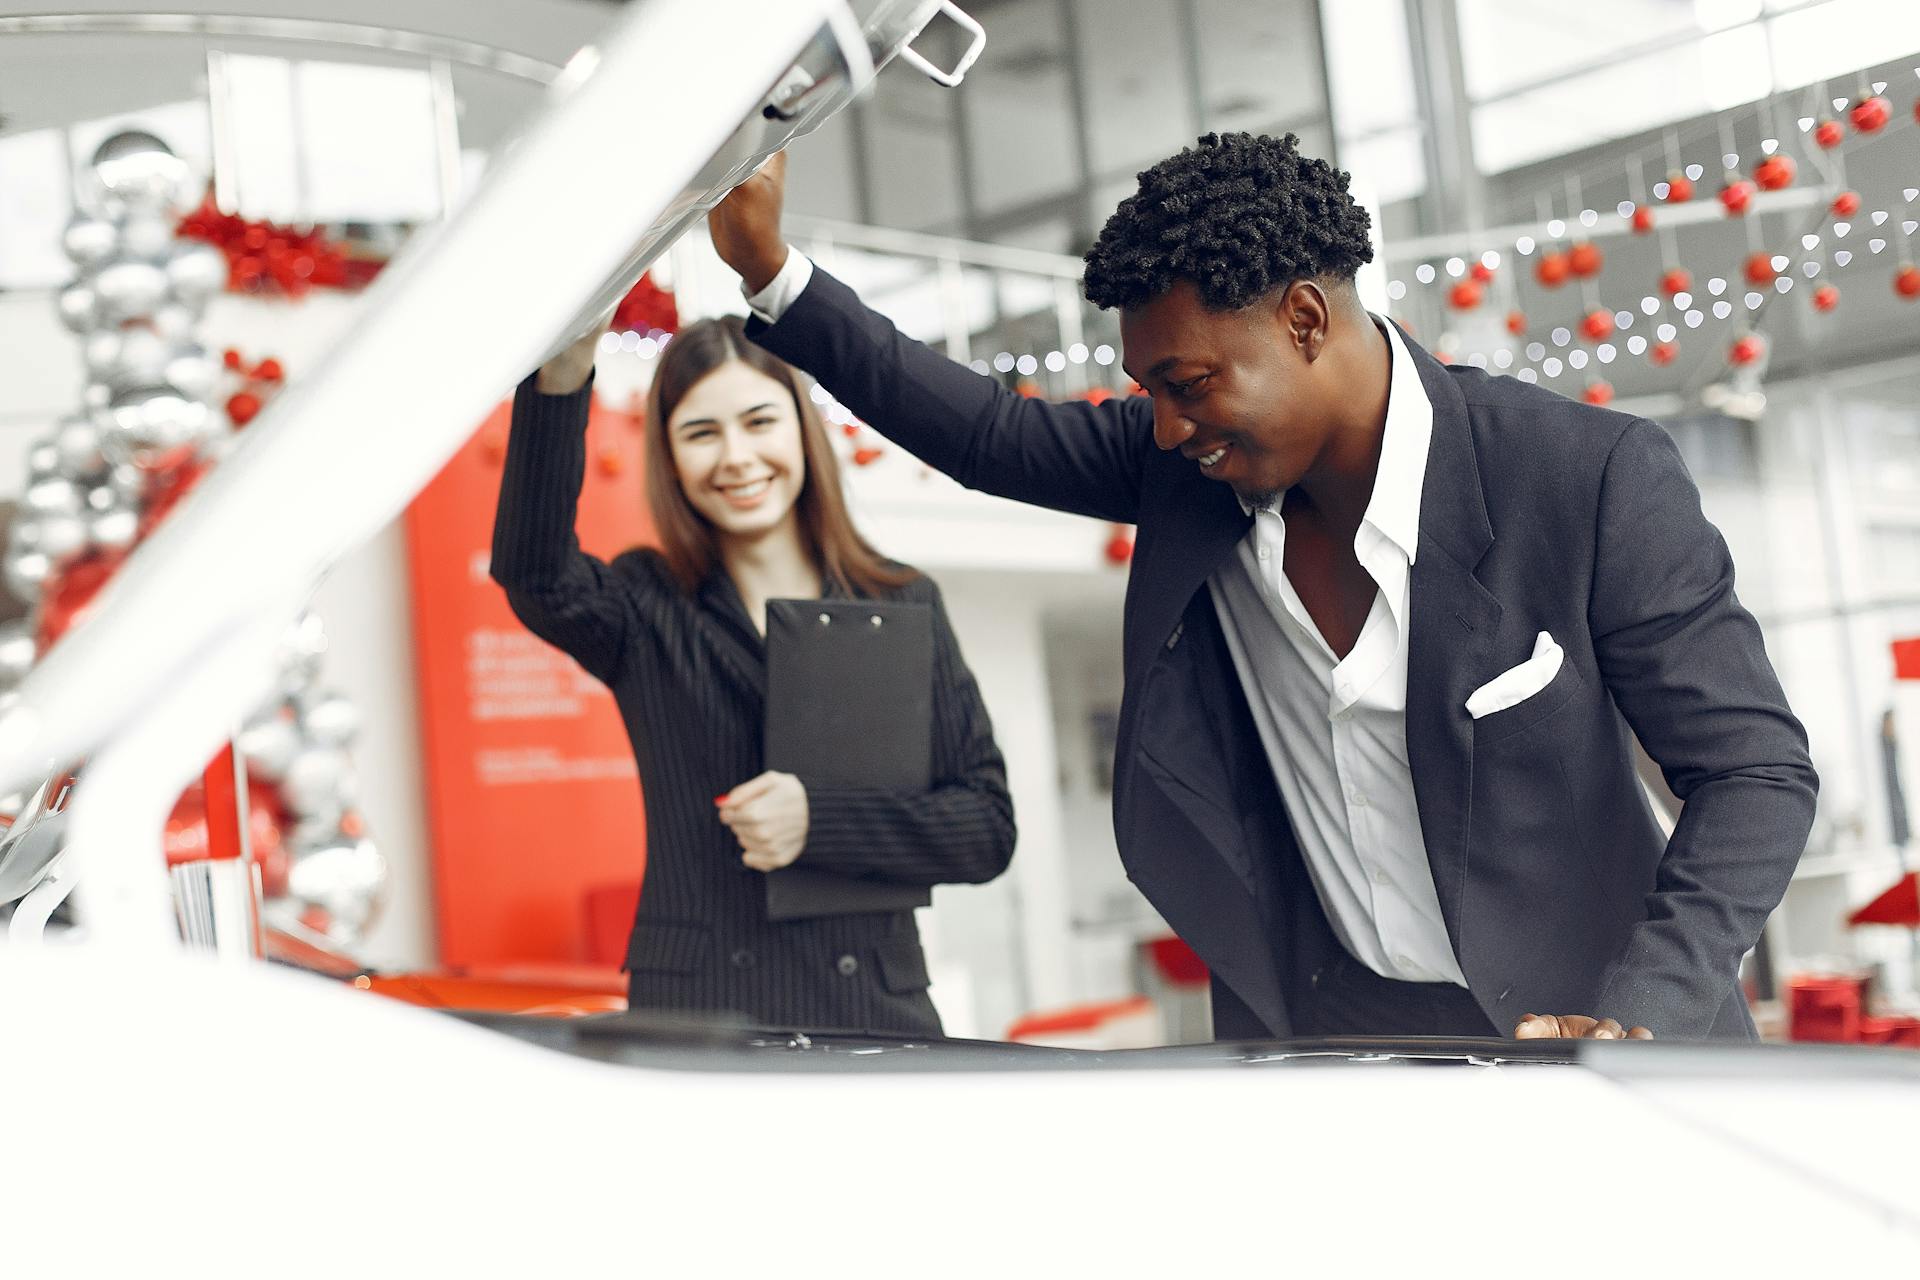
(1239, 215)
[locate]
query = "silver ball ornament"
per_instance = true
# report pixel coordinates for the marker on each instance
(100, 352)
(195, 272)
(43, 460)
(61, 537)
(137, 169)
(79, 307)
(151, 426)
(115, 529)
(96, 396)
(318, 783)
(141, 360)
(129, 290)
(346, 879)
(269, 746)
(26, 572)
(175, 321)
(18, 650)
(147, 238)
(331, 721)
(193, 370)
(78, 442)
(90, 241)
(54, 495)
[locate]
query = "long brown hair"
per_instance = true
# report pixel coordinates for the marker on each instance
(844, 558)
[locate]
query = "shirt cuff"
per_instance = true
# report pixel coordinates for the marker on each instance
(788, 284)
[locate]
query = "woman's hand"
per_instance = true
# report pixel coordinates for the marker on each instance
(768, 816)
(746, 225)
(567, 372)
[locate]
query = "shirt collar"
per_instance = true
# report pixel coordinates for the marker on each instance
(1394, 507)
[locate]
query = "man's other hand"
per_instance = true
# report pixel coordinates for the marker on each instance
(746, 225)
(1574, 1026)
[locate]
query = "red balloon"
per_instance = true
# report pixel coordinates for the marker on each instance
(1773, 173)
(1760, 268)
(1846, 204)
(1597, 393)
(242, 406)
(1662, 353)
(1677, 280)
(1516, 322)
(1679, 188)
(1870, 114)
(1829, 134)
(1907, 282)
(1747, 349)
(1597, 324)
(1553, 269)
(1826, 298)
(1465, 295)
(1585, 259)
(1642, 219)
(1736, 196)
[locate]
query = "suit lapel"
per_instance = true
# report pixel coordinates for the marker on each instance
(1450, 637)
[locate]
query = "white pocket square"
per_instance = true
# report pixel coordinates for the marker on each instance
(1514, 686)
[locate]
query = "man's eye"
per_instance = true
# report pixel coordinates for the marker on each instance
(1186, 389)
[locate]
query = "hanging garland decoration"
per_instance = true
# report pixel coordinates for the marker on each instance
(266, 258)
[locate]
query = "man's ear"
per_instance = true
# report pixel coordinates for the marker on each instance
(1305, 312)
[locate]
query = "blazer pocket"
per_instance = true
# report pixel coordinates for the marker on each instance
(903, 966)
(669, 948)
(1499, 725)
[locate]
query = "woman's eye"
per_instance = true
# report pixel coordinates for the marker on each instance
(760, 422)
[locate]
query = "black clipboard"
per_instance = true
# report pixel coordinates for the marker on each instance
(849, 703)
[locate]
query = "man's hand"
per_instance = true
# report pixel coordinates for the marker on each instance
(746, 225)
(567, 372)
(768, 816)
(1574, 1026)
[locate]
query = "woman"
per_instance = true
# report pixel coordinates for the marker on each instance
(746, 500)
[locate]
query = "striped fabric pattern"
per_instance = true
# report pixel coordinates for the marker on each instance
(688, 672)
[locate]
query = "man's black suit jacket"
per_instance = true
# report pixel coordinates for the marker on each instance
(1560, 893)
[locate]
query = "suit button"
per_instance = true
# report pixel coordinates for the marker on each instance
(743, 959)
(847, 965)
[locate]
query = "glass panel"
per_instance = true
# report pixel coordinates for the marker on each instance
(1134, 69)
(1710, 74)
(1259, 63)
(912, 158)
(1843, 36)
(821, 180)
(1371, 65)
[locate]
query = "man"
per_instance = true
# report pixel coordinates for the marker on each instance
(1388, 628)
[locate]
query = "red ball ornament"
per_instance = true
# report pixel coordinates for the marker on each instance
(1679, 188)
(1826, 298)
(1516, 322)
(1482, 272)
(850, 430)
(1597, 324)
(1760, 268)
(1553, 269)
(1829, 134)
(866, 457)
(1747, 349)
(1465, 295)
(269, 370)
(1585, 259)
(1662, 353)
(1736, 196)
(1906, 282)
(1119, 548)
(242, 407)
(232, 359)
(1676, 280)
(1597, 393)
(1642, 219)
(1869, 115)
(1846, 204)
(1773, 173)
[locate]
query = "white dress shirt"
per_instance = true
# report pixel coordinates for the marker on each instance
(1335, 729)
